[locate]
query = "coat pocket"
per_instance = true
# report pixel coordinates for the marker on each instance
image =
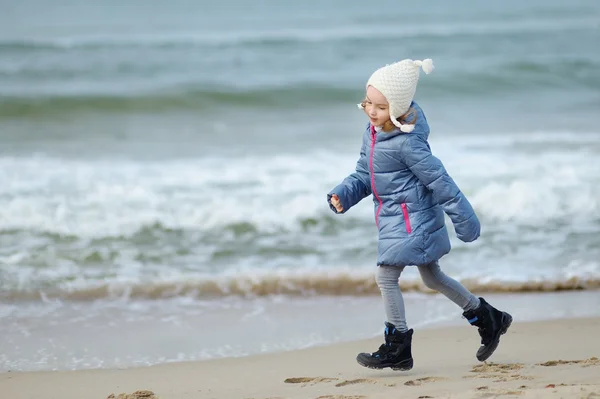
(406, 218)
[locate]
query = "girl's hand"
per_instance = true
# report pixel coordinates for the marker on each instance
(335, 201)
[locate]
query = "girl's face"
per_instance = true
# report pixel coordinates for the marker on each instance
(376, 107)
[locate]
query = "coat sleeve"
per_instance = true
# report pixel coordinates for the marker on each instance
(356, 186)
(417, 156)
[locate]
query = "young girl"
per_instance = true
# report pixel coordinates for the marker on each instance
(411, 191)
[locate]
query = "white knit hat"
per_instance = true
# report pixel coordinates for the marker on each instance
(398, 83)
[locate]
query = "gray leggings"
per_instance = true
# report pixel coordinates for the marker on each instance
(433, 277)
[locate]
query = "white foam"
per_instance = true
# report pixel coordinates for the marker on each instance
(113, 198)
(529, 205)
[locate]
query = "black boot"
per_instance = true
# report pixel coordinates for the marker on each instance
(492, 324)
(394, 353)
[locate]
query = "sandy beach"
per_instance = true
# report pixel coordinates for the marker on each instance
(164, 224)
(554, 359)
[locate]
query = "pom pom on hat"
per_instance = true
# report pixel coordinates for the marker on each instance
(398, 83)
(407, 128)
(426, 64)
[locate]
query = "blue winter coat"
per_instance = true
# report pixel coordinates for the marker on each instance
(411, 191)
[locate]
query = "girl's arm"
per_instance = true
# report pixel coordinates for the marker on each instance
(356, 186)
(431, 172)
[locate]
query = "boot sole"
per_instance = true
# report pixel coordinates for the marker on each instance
(404, 365)
(506, 322)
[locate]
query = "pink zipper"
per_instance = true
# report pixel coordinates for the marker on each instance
(373, 138)
(406, 219)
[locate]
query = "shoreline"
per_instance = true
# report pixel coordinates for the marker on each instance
(445, 364)
(87, 336)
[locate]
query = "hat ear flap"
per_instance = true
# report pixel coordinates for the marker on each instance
(404, 128)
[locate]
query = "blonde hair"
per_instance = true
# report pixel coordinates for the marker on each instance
(388, 126)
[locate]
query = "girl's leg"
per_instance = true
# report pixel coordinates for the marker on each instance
(491, 322)
(434, 278)
(396, 351)
(387, 280)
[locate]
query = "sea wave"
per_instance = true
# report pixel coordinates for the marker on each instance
(312, 34)
(219, 225)
(174, 99)
(289, 284)
(510, 77)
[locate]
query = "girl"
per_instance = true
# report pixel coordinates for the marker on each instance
(411, 191)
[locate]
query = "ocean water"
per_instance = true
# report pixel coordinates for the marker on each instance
(164, 169)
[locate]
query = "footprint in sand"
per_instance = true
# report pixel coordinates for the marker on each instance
(358, 381)
(308, 380)
(317, 380)
(592, 361)
(143, 394)
(501, 377)
(513, 377)
(424, 380)
(496, 368)
(341, 397)
(494, 393)
(498, 372)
